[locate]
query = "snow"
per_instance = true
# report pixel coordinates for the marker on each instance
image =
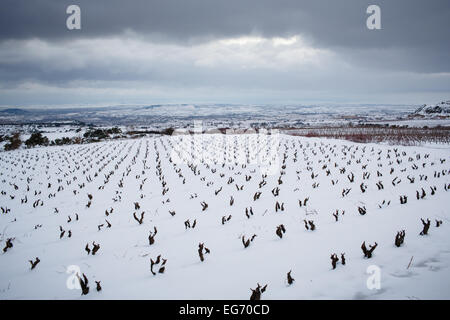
(123, 262)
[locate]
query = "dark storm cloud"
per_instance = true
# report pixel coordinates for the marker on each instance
(414, 44)
(421, 28)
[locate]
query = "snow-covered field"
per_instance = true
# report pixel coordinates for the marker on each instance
(169, 178)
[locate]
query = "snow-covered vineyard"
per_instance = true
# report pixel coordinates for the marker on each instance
(179, 218)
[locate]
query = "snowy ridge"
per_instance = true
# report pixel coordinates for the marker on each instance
(442, 108)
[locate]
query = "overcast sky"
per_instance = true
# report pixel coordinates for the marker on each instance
(227, 51)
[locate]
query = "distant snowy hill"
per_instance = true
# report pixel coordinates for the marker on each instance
(214, 115)
(442, 108)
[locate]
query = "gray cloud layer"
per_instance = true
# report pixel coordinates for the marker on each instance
(409, 55)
